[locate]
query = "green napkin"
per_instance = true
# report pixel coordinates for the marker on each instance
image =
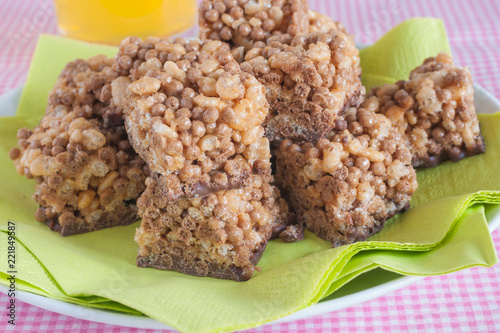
(402, 49)
(446, 231)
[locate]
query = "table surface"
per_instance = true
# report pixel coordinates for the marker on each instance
(464, 301)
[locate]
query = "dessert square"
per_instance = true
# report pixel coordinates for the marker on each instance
(222, 235)
(311, 81)
(433, 110)
(87, 175)
(192, 114)
(345, 186)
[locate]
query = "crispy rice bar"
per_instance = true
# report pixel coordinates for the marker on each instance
(322, 23)
(311, 81)
(346, 185)
(434, 111)
(222, 235)
(87, 175)
(192, 114)
(244, 22)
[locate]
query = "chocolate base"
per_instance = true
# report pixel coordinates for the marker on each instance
(124, 215)
(172, 262)
(455, 154)
(354, 235)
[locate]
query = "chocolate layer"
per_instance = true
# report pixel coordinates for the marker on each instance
(171, 190)
(201, 268)
(123, 215)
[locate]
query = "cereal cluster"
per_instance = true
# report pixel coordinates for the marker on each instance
(434, 111)
(221, 235)
(192, 114)
(87, 175)
(244, 22)
(322, 23)
(345, 186)
(311, 81)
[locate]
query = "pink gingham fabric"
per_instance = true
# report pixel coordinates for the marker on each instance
(466, 301)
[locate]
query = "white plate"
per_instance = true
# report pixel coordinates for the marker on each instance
(355, 292)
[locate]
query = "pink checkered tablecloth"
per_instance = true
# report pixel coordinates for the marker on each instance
(466, 301)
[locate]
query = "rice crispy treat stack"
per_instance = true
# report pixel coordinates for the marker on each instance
(434, 111)
(244, 22)
(346, 185)
(311, 81)
(222, 235)
(192, 114)
(87, 175)
(323, 23)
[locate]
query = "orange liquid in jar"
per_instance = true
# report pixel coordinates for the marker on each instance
(109, 21)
